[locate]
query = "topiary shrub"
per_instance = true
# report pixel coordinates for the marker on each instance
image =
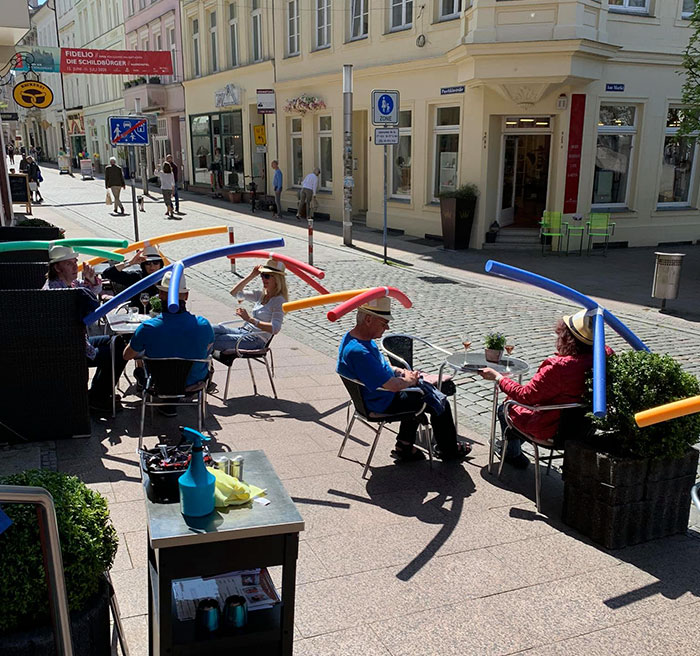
(88, 543)
(636, 381)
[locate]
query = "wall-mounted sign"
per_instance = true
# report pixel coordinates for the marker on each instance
(615, 87)
(386, 136)
(229, 95)
(259, 134)
(266, 101)
(9, 116)
(117, 62)
(76, 124)
(32, 94)
(562, 102)
(573, 157)
(446, 91)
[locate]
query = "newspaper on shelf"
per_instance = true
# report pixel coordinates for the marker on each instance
(253, 584)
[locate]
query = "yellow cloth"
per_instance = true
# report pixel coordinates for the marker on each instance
(229, 491)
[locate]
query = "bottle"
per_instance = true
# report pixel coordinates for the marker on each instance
(196, 484)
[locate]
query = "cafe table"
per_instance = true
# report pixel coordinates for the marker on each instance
(469, 364)
(227, 540)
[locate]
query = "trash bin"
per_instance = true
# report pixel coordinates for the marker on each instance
(667, 276)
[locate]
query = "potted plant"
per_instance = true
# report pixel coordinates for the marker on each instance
(127, 84)
(88, 545)
(627, 484)
(494, 344)
(492, 233)
(235, 195)
(457, 209)
(154, 79)
(156, 306)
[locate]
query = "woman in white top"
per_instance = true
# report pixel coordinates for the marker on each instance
(266, 320)
(167, 182)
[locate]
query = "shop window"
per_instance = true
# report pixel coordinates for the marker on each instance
(293, 27)
(256, 28)
(323, 23)
(359, 19)
(450, 9)
(616, 131)
(233, 35)
(446, 148)
(400, 159)
(201, 149)
(217, 149)
(688, 8)
(401, 14)
(677, 163)
(296, 150)
(196, 66)
(213, 46)
(325, 152)
(630, 6)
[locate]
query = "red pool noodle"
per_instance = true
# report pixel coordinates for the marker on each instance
(286, 259)
(307, 279)
(355, 302)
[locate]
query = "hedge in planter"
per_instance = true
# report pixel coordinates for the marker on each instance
(457, 209)
(629, 484)
(88, 544)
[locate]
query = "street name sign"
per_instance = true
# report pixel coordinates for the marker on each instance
(386, 136)
(385, 107)
(128, 130)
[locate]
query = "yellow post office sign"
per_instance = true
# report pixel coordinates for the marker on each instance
(32, 94)
(259, 132)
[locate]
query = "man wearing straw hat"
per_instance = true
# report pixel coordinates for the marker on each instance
(384, 385)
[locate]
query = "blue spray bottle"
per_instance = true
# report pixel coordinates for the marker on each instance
(196, 484)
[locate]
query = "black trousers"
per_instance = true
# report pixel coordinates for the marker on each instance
(443, 425)
(101, 387)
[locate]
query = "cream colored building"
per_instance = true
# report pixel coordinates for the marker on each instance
(563, 105)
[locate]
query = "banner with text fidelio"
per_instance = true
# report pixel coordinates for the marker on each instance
(117, 62)
(573, 158)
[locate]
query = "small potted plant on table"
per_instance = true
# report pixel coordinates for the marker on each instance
(494, 344)
(156, 306)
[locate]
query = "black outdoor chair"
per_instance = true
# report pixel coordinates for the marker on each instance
(573, 424)
(166, 386)
(372, 419)
(23, 275)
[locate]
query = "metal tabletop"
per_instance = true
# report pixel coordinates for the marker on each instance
(167, 526)
(123, 323)
(471, 362)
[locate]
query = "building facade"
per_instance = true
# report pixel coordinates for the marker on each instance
(542, 105)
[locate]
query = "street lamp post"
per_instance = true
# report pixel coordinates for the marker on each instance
(347, 154)
(64, 131)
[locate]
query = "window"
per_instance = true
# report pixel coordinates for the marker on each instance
(213, 54)
(293, 27)
(256, 16)
(677, 164)
(616, 130)
(323, 23)
(144, 43)
(233, 35)
(401, 14)
(158, 42)
(450, 9)
(400, 159)
(172, 46)
(631, 6)
(296, 150)
(359, 19)
(446, 137)
(688, 8)
(196, 69)
(325, 152)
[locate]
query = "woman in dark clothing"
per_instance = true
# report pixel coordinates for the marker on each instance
(34, 175)
(150, 261)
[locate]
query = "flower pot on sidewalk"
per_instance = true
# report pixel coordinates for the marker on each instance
(457, 210)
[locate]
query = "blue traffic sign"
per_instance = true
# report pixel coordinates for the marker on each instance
(385, 104)
(385, 107)
(128, 130)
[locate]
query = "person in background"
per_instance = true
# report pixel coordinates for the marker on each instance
(63, 274)
(150, 261)
(167, 182)
(114, 181)
(23, 151)
(34, 175)
(11, 153)
(309, 188)
(176, 196)
(23, 163)
(277, 187)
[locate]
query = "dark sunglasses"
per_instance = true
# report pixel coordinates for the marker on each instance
(266, 276)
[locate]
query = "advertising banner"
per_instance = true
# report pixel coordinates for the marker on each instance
(117, 62)
(42, 59)
(573, 159)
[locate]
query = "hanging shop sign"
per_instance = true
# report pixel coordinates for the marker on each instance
(76, 125)
(573, 158)
(32, 94)
(116, 62)
(40, 59)
(259, 134)
(229, 95)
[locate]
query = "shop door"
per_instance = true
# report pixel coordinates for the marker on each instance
(510, 156)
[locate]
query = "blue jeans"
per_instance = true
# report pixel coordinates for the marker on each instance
(227, 338)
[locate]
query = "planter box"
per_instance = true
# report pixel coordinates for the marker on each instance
(457, 216)
(235, 196)
(623, 501)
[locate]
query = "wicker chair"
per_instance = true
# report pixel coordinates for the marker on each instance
(44, 390)
(22, 275)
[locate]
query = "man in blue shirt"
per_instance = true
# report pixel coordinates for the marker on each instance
(384, 385)
(277, 186)
(174, 335)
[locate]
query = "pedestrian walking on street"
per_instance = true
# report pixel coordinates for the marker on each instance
(11, 153)
(114, 181)
(176, 195)
(307, 193)
(167, 182)
(277, 186)
(23, 164)
(35, 177)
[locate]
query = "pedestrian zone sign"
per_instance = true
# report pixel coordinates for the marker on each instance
(385, 107)
(128, 130)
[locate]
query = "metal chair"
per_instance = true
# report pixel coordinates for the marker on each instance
(257, 355)
(598, 225)
(166, 380)
(572, 423)
(369, 419)
(551, 225)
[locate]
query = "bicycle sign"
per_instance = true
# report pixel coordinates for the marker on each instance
(385, 107)
(128, 130)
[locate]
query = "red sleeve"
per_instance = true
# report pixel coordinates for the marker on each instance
(543, 387)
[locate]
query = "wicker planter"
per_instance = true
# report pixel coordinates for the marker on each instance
(493, 355)
(623, 501)
(457, 217)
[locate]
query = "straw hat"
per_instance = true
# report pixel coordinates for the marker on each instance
(61, 254)
(165, 283)
(581, 326)
(273, 266)
(152, 254)
(379, 307)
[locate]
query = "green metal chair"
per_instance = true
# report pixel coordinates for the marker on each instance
(598, 225)
(551, 225)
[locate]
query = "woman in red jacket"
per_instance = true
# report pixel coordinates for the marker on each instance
(559, 379)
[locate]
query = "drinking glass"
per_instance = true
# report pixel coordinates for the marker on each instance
(145, 298)
(466, 343)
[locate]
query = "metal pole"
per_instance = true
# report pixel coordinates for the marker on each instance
(134, 208)
(232, 240)
(385, 175)
(347, 154)
(311, 240)
(53, 560)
